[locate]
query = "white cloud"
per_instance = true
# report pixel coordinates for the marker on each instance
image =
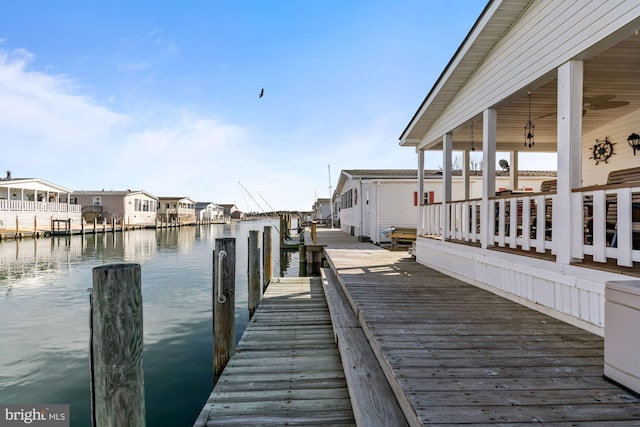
(53, 133)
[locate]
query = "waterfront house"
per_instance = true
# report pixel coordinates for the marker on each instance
(209, 212)
(231, 211)
(539, 76)
(321, 211)
(31, 203)
(130, 207)
(372, 201)
(177, 209)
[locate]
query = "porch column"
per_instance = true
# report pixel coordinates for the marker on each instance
(465, 174)
(447, 150)
(513, 170)
(420, 198)
(487, 213)
(565, 213)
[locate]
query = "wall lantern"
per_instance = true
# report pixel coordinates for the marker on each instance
(528, 129)
(634, 142)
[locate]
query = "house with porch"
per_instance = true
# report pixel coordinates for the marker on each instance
(32, 203)
(539, 76)
(209, 212)
(177, 209)
(374, 200)
(129, 207)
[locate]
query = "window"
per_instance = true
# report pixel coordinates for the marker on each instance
(346, 199)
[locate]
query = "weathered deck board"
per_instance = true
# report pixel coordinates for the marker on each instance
(287, 368)
(455, 354)
(372, 399)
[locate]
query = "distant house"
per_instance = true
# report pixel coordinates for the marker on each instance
(181, 209)
(231, 211)
(31, 203)
(132, 207)
(372, 201)
(209, 212)
(322, 211)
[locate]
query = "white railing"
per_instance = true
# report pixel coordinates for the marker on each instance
(463, 220)
(524, 221)
(29, 206)
(605, 228)
(510, 212)
(610, 223)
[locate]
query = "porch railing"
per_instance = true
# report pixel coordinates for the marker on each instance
(26, 205)
(610, 223)
(607, 226)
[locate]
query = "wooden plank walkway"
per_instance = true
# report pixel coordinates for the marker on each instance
(456, 354)
(286, 369)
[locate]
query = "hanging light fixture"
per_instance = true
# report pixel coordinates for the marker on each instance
(634, 142)
(528, 129)
(472, 147)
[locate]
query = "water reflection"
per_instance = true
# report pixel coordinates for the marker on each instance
(44, 314)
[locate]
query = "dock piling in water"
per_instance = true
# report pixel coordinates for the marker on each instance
(267, 271)
(117, 379)
(224, 278)
(254, 293)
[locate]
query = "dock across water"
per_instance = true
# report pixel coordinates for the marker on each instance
(452, 353)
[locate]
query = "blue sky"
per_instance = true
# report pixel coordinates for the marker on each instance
(163, 96)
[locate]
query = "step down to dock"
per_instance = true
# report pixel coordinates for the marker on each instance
(372, 399)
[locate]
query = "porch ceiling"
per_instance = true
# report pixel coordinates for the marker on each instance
(611, 90)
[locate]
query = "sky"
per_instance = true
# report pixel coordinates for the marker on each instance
(163, 96)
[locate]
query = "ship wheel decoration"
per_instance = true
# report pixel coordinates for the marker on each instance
(602, 150)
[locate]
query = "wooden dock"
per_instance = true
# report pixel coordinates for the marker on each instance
(456, 354)
(286, 369)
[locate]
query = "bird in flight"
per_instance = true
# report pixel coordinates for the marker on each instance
(261, 93)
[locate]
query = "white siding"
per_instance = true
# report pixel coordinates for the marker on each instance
(395, 207)
(623, 158)
(543, 36)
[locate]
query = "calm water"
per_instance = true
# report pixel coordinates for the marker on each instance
(44, 315)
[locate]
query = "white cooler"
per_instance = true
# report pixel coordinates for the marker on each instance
(622, 333)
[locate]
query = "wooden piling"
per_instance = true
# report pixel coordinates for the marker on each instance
(224, 278)
(117, 379)
(255, 289)
(113, 224)
(267, 269)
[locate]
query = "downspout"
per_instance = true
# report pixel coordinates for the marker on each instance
(360, 179)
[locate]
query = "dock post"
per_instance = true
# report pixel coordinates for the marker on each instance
(17, 227)
(267, 270)
(314, 228)
(82, 226)
(35, 226)
(95, 224)
(254, 294)
(117, 380)
(113, 224)
(224, 278)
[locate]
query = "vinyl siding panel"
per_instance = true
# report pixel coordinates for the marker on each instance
(548, 34)
(622, 158)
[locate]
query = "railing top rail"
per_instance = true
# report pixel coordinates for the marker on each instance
(633, 184)
(523, 195)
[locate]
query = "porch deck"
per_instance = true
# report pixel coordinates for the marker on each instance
(455, 354)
